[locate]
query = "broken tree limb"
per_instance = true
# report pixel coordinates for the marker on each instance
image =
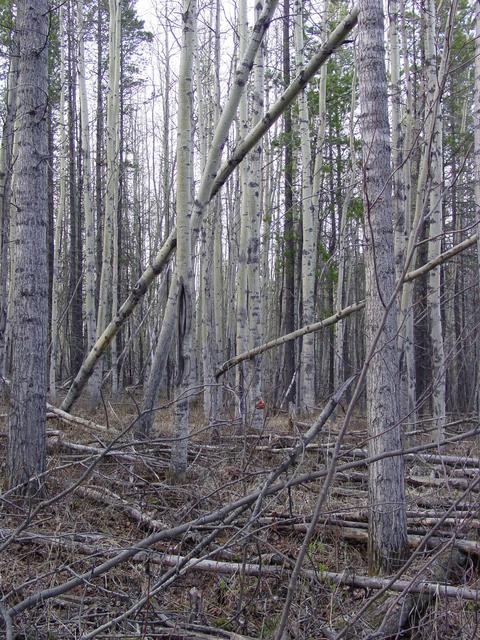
(148, 276)
(213, 517)
(310, 328)
(341, 579)
(343, 313)
(76, 421)
(440, 259)
(335, 40)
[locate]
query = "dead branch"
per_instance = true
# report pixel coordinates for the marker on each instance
(341, 579)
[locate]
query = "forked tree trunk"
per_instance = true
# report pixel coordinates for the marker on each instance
(387, 523)
(26, 419)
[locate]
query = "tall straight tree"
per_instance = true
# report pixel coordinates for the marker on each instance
(307, 359)
(87, 185)
(476, 120)
(184, 266)
(108, 279)
(59, 222)
(387, 522)
(288, 226)
(435, 230)
(26, 418)
(6, 170)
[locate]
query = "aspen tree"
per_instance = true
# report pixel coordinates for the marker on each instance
(343, 268)
(387, 521)
(423, 202)
(289, 372)
(109, 274)
(241, 288)
(6, 171)
(248, 281)
(75, 254)
(255, 201)
(26, 418)
(307, 358)
(63, 146)
(87, 186)
(406, 315)
(436, 223)
(183, 276)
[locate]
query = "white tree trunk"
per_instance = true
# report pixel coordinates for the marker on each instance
(307, 357)
(435, 229)
(87, 186)
(108, 277)
(63, 146)
(183, 277)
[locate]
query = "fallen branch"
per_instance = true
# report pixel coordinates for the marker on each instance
(213, 517)
(341, 579)
(117, 502)
(76, 421)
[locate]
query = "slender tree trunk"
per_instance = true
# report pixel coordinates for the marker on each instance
(255, 201)
(87, 186)
(342, 281)
(108, 278)
(387, 522)
(408, 383)
(57, 282)
(184, 268)
(242, 381)
(308, 257)
(76, 245)
(6, 170)
(289, 388)
(26, 419)
(435, 229)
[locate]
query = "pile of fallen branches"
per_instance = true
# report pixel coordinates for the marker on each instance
(118, 548)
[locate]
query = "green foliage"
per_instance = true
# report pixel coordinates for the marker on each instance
(355, 209)
(223, 623)
(268, 627)
(329, 269)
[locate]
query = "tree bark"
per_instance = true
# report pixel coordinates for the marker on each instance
(26, 419)
(387, 524)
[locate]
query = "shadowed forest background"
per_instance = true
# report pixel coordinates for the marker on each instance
(239, 319)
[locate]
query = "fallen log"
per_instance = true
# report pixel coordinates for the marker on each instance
(340, 579)
(76, 421)
(111, 499)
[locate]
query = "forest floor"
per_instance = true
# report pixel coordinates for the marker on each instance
(112, 500)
